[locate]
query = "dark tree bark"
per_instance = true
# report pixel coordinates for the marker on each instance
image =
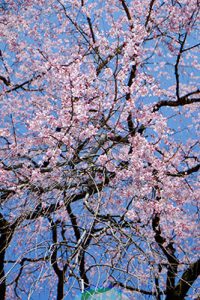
(185, 283)
(2, 272)
(6, 232)
(60, 286)
(59, 272)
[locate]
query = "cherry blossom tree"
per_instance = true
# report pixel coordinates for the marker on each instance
(99, 148)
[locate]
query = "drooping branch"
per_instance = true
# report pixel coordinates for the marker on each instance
(91, 189)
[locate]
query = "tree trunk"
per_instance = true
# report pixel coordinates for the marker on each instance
(60, 287)
(2, 273)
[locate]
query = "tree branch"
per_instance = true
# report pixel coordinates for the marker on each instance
(185, 100)
(187, 280)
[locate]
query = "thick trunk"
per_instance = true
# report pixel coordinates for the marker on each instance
(6, 232)
(185, 283)
(60, 288)
(2, 274)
